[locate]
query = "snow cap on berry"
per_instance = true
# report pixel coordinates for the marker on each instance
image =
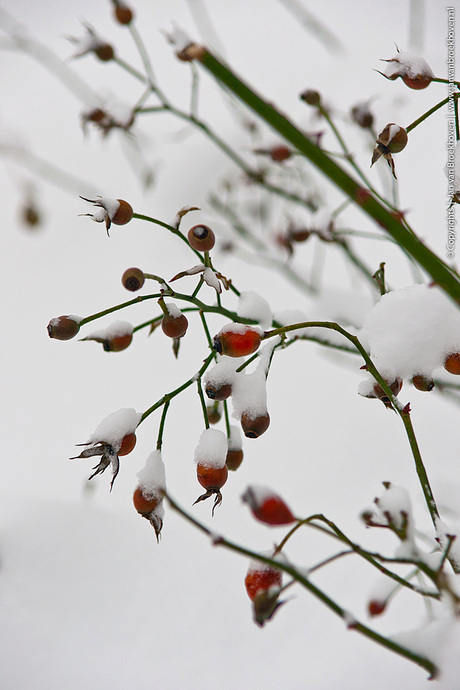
(212, 448)
(411, 331)
(413, 70)
(152, 478)
(253, 306)
(115, 427)
(249, 395)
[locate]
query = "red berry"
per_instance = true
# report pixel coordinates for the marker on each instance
(418, 82)
(144, 503)
(123, 214)
(299, 234)
(63, 327)
(376, 607)
(452, 363)
(117, 343)
(211, 478)
(221, 392)
(133, 279)
(201, 238)
(237, 341)
(422, 383)
(261, 577)
(174, 326)
(127, 444)
(234, 459)
(267, 506)
(253, 427)
(280, 153)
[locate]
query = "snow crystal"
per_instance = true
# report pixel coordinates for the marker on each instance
(233, 327)
(178, 38)
(234, 440)
(395, 503)
(411, 331)
(117, 328)
(265, 354)
(115, 426)
(173, 309)
(249, 395)
(223, 372)
(321, 223)
(442, 534)
(152, 477)
(259, 494)
(253, 306)
(291, 316)
(407, 64)
(211, 279)
(110, 205)
(195, 269)
(211, 450)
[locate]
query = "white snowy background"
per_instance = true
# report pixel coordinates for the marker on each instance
(88, 599)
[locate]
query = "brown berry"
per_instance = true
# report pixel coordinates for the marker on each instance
(452, 363)
(211, 478)
(63, 328)
(133, 279)
(117, 343)
(311, 97)
(280, 153)
(376, 607)
(422, 383)
(123, 14)
(201, 238)
(253, 427)
(123, 214)
(214, 414)
(234, 459)
(104, 52)
(174, 326)
(127, 444)
(221, 392)
(144, 503)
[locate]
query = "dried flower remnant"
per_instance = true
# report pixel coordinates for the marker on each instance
(114, 437)
(392, 139)
(92, 43)
(109, 211)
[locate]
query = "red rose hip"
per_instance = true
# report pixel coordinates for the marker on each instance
(237, 340)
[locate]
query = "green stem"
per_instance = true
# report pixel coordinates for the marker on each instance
(162, 424)
(428, 113)
(169, 396)
(313, 589)
(442, 274)
(403, 413)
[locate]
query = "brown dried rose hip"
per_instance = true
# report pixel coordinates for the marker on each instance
(201, 238)
(63, 328)
(452, 363)
(133, 279)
